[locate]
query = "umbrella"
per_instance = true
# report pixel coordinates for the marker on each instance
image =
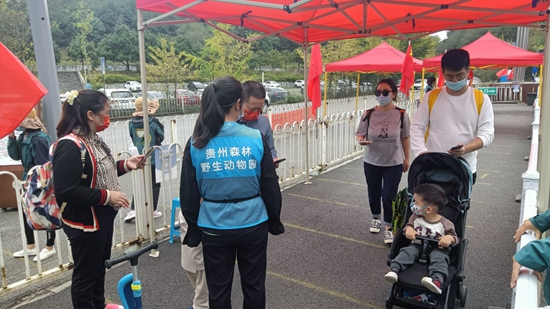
(20, 90)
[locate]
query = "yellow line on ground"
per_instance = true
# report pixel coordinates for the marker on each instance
(334, 236)
(345, 182)
(324, 290)
(321, 200)
(488, 171)
(484, 175)
(469, 226)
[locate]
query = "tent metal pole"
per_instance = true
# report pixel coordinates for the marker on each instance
(306, 45)
(357, 93)
(147, 137)
(544, 168)
(325, 93)
(539, 95)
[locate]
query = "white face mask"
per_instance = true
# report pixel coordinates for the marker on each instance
(418, 210)
(384, 100)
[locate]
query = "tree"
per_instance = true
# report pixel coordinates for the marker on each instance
(168, 66)
(121, 46)
(15, 31)
(222, 55)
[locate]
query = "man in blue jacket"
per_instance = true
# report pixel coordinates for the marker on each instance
(137, 133)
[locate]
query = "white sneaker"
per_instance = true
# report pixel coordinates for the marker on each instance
(157, 214)
(44, 254)
(375, 226)
(130, 216)
(391, 277)
(388, 237)
(20, 253)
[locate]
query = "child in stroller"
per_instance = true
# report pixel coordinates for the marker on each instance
(425, 221)
(453, 175)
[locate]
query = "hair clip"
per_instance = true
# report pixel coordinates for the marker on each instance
(71, 95)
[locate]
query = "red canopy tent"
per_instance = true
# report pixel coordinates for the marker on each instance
(490, 51)
(382, 58)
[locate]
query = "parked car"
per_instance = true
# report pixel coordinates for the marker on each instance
(193, 86)
(132, 85)
(299, 83)
(272, 84)
(156, 95)
(120, 98)
(418, 84)
(187, 97)
(199, 92)
(276, 94)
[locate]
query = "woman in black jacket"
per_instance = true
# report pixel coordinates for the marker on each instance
(88, 191)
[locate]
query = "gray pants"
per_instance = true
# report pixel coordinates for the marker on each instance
(439, 259)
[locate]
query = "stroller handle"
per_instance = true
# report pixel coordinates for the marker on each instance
(132, 256)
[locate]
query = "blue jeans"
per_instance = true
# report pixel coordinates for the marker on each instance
(382, 182)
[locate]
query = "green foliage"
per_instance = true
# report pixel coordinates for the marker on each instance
(121, 46)
(167, 66)
(294, 98)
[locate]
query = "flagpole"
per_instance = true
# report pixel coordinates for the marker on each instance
(325, 92)
(357, 94)
(306, 45)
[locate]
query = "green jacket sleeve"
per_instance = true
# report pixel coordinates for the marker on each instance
(536, 255)
(542, 221)
(14, 151)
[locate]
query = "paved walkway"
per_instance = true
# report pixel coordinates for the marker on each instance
(328, 259)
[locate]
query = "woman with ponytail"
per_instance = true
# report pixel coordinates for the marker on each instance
(87, 188)
(230, 196)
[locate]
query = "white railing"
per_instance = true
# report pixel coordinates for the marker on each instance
(331, 141)
(525, 295)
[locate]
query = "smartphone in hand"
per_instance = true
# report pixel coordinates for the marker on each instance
(457, 147)
(279, 160)
(149, 152)
(364, 143)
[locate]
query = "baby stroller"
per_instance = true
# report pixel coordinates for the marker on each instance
(454, 176)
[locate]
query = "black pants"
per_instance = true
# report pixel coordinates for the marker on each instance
(90, 250)
(156, 189)
(50, 236)
(382, 182)
(249, 247)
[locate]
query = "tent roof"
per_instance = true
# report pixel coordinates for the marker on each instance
(331, 20)
(489, 50)
(382, 58)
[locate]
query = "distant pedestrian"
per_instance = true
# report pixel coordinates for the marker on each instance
(156, 135)
(384, 131)
(230, 196)
(32, 148)
(431, 84)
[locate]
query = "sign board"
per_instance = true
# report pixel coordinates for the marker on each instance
(102, 61)
(488, 90)
(516, 88)
(165, 163)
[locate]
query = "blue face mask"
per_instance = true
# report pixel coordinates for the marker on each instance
(456, 86)
(418, 210)
(384, 100)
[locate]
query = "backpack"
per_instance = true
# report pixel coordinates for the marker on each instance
(39, 204)
(399, 206)
(369, 112)
(478, 96)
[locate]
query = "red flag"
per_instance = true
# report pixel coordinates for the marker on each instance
(314, 78)
(502, 72)
(20, 90)
(407, 72)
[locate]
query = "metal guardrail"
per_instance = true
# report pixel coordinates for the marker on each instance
(331, 142)
(526, 293)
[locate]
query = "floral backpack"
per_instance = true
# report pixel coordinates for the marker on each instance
(39, 203)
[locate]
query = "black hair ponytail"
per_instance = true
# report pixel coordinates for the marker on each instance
(217, 101)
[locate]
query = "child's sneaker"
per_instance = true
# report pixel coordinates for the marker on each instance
(388, 237)
(375, 226)
(391, 277)
(157, 214)
(433, 284)
(130, 216)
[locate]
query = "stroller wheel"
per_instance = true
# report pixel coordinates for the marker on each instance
(463, 294)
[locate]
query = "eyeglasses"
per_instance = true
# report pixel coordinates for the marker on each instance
(383, 92)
